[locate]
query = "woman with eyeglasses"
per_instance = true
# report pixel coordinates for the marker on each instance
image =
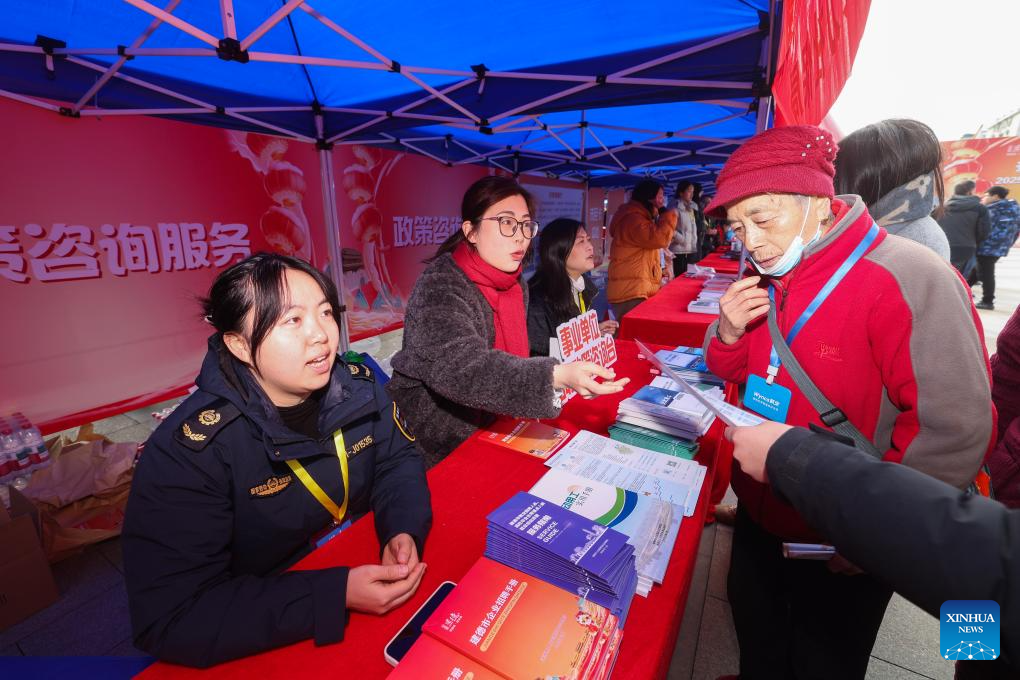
(465, 358)
(561, 288)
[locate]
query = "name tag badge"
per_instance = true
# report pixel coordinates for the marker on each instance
(771, 401)
(328, 534)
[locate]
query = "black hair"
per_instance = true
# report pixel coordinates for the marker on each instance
(645, 192)
(682, 186)
(257, 285)
(997, 190)
(551, 279)
(880, 157)
(479, 197)
(965, 188)
(697, 193)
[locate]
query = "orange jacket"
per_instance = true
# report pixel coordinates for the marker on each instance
(634, 270)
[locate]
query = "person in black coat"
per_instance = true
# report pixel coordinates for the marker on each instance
(926, 539)
(966, 223)
(282, 444)
(561, 288)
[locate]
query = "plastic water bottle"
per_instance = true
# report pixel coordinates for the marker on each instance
(10, 447)
(32, 441)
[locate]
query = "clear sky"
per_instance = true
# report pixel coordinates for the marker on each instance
(953, 64)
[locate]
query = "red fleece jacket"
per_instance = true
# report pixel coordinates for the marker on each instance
(897, 346)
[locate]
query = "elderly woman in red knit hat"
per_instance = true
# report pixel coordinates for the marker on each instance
(845, 328)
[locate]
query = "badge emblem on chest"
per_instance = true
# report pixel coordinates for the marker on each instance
(270, 487)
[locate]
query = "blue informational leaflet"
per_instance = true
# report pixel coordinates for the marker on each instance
(561, 547)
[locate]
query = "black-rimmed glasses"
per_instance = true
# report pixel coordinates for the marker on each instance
(511, 224)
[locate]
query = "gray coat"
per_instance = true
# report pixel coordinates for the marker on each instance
(447, 379)
(906, 212)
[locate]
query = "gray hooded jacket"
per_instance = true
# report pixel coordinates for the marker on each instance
(906, 212)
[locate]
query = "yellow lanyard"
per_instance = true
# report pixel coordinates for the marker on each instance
(316, 490)
(580, 302)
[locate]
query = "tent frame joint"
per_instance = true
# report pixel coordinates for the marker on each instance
(230, 50)
(323, 145)
(68, 112)
(122, 53)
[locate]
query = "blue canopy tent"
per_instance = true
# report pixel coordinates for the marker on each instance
(592, 92)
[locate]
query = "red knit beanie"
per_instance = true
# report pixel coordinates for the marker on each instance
(786, 160)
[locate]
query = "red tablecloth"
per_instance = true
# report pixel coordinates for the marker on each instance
(470, 483)
(663, 318)
(722, 265)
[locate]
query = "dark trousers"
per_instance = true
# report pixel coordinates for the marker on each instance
(985, 273)
(680, 264)
(795, 619)
(962, 257)
(621, 308)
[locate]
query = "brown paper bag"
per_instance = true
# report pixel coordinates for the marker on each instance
(81, 496)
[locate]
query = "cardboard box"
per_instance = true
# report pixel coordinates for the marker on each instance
(26, 582)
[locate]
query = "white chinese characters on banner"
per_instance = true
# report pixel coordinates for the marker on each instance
(66, 252)
(580, 339)
(422, 230)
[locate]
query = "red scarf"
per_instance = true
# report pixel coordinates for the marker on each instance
(504, 294)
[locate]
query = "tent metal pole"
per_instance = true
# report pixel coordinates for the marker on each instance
(275, 18)
(655, 82)
(137, 52)
(275, 58)
(721, 40)
(227, 16)
(180, 24)
(29, 100)
(583, 127)
(115, 66)
(390, 64)
(171, 111)
(559, 139)
(404, 142)
(191, 100)
(611, 154)
(635, 145)
(511, 123)
(11, 47)
(402, 109)
(330, 212)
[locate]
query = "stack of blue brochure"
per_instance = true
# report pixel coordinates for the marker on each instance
(565, 549)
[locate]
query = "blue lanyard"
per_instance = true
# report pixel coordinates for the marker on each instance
(774, 361)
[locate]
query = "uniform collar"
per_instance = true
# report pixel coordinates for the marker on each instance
(346, 400)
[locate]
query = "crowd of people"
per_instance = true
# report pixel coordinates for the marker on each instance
(857, 323)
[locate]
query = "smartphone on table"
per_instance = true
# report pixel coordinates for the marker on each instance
(402, 641)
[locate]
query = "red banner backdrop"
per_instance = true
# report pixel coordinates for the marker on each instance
(816, 52)
(986, 162)
(112, 229)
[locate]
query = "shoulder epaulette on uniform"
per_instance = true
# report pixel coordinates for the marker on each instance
(202, 427)
(361, 372)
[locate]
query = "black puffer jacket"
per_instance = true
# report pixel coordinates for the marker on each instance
(543, 320)
(448, 380)
(965, 222)
(215, 513)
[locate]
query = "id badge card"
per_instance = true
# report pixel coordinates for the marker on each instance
(328, 534)
(771, 401)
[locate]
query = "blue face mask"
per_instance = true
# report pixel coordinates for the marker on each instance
(793, 255)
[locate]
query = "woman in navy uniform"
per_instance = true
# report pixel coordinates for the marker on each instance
(282, 443)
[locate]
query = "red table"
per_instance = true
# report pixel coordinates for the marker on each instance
(470, 483)
(722, 265)
(663, 318)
